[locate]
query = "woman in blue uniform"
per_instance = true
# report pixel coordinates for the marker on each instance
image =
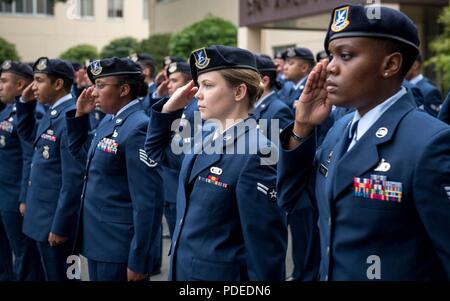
(381, 177)
(122, 199)
(228, 224)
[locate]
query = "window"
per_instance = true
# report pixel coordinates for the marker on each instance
(145, 9)
(282, 48)
(45, 7)
(85, 8)
(24, 6)
(6, 7)
(115, 8)
(29, 7)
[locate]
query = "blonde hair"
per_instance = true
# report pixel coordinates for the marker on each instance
(250, 78)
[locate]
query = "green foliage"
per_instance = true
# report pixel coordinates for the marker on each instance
(441, 50)
(80, 53)
(121, 47)
(8, 51)
(210, 31)
(157, 45)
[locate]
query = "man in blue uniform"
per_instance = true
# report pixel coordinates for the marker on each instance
(178, 74)
(278, 60)
(56, 178)
(432, 98)
(299, 62)
(384, 210)
(15, 157)
(302, 222)
(269, 106)
(148, 66)
(162, 74)
(321, 55)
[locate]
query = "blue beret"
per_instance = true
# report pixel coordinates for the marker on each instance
(173, 59)
(218, 57)
(178, 67)
(76, 66)
(299, 52)
(113, 67)
(279, 55)
(358, 21)
(54, 67)
(264, 64)
(18, 68)
(142, 58)
(321, 55)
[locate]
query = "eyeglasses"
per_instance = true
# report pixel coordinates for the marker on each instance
(100, 86)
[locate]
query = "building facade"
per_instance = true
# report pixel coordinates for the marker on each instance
(43, 28)
(269, 25)
(37, 27)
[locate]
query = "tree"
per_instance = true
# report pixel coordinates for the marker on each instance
(210, 31)
(80, 53)
(441, 49)
(8, 51)
(121, 47)
(157, 45)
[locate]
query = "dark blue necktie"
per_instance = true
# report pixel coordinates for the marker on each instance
(349, 135)
(352, 134)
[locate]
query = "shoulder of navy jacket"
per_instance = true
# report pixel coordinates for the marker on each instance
(10, 108)
(266, 102)
(239, 132)
(385, 127)
(128, 112)
(64, 107)
(4, 113)
(71, 113)
(160, 103)
(285, 134)
(157, 108)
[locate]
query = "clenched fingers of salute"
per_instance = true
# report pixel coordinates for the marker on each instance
(28, 94)
(162, 89)
(86, 102)
(313, 107)
(181, 98)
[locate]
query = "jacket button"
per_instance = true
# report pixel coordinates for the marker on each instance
(29, 183)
